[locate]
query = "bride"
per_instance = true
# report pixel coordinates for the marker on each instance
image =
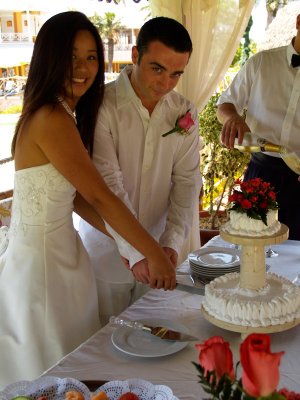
(48, 298)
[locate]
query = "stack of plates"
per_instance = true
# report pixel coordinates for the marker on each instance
(211, 262)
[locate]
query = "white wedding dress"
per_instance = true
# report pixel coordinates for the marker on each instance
(48, 296)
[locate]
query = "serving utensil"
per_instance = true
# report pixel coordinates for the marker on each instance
(161, 332)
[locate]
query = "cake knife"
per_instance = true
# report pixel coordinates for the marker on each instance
(158, 331)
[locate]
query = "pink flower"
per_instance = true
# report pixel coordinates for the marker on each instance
(260, 374)
(215, 355)
(182, 125)
(186, 122)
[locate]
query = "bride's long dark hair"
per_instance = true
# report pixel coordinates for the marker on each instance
(51, 66)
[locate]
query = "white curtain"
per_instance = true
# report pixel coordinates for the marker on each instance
(216, 28)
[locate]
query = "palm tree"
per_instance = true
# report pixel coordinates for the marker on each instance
(273, 7)
(109, 29)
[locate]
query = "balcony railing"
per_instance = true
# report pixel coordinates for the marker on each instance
(15, 37)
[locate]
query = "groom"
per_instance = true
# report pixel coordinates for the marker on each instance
(156, 175)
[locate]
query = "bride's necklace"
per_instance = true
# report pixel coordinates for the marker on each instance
(67, 108)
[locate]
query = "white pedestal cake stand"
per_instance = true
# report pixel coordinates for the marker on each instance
(252, 276)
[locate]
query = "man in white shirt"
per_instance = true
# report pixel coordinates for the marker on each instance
(156, 176)
(268, 87)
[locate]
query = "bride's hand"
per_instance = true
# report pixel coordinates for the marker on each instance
(162, 273)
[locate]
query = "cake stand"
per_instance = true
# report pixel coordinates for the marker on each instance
(252, 276)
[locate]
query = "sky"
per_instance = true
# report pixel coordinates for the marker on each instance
(259, 15)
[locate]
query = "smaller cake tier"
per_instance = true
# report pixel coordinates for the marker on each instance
(275, 305)
(262, 240)
(241, 224)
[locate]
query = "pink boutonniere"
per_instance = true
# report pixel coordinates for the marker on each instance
(182, 124)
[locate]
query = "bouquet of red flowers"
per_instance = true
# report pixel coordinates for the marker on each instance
(255, 198)
(260, 373)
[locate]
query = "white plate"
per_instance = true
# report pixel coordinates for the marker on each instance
(142, 344)
(215, 257)
(213, 271)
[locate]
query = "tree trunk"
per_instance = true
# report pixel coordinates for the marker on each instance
(110, 54)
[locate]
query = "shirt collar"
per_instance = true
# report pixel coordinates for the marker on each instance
(124, 90)
(290, 51)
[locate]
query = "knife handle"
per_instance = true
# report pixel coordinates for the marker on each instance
(116, 321)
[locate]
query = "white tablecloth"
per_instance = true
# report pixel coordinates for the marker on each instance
(97, 358)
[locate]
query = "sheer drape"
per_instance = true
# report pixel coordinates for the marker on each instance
(216, 28)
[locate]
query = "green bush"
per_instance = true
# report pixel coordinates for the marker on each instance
(219, 166)
(15, 109)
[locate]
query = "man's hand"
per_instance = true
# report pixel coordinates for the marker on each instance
(172, 255)
(233, 125)
(140, 271)
(232, 128)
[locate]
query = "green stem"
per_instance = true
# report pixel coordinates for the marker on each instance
(168, 133)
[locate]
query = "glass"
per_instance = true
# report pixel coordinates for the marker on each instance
(271, 253)
(296, 281)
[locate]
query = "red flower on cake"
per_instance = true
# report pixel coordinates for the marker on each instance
(254, 197)
(246, 204)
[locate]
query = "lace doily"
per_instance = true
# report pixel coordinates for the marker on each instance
(49, 386)
(55, 388)
(3, 239)
(143, 389)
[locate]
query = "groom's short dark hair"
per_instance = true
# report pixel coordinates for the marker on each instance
(167, 31)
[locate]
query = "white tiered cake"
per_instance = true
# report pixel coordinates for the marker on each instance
(276, 303)
(253, 299)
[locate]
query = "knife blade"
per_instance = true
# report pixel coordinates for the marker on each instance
(188, 282)
(161, 332)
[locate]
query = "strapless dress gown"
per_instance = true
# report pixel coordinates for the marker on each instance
(48, 295)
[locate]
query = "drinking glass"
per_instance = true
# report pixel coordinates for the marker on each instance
(271, 253)
(296, 280)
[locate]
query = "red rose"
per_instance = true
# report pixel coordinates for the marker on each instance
(246, 204)
(186, 122)
(215, 355)
(260, 375)
(263, 205)
(272, 195)
(256, 182)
